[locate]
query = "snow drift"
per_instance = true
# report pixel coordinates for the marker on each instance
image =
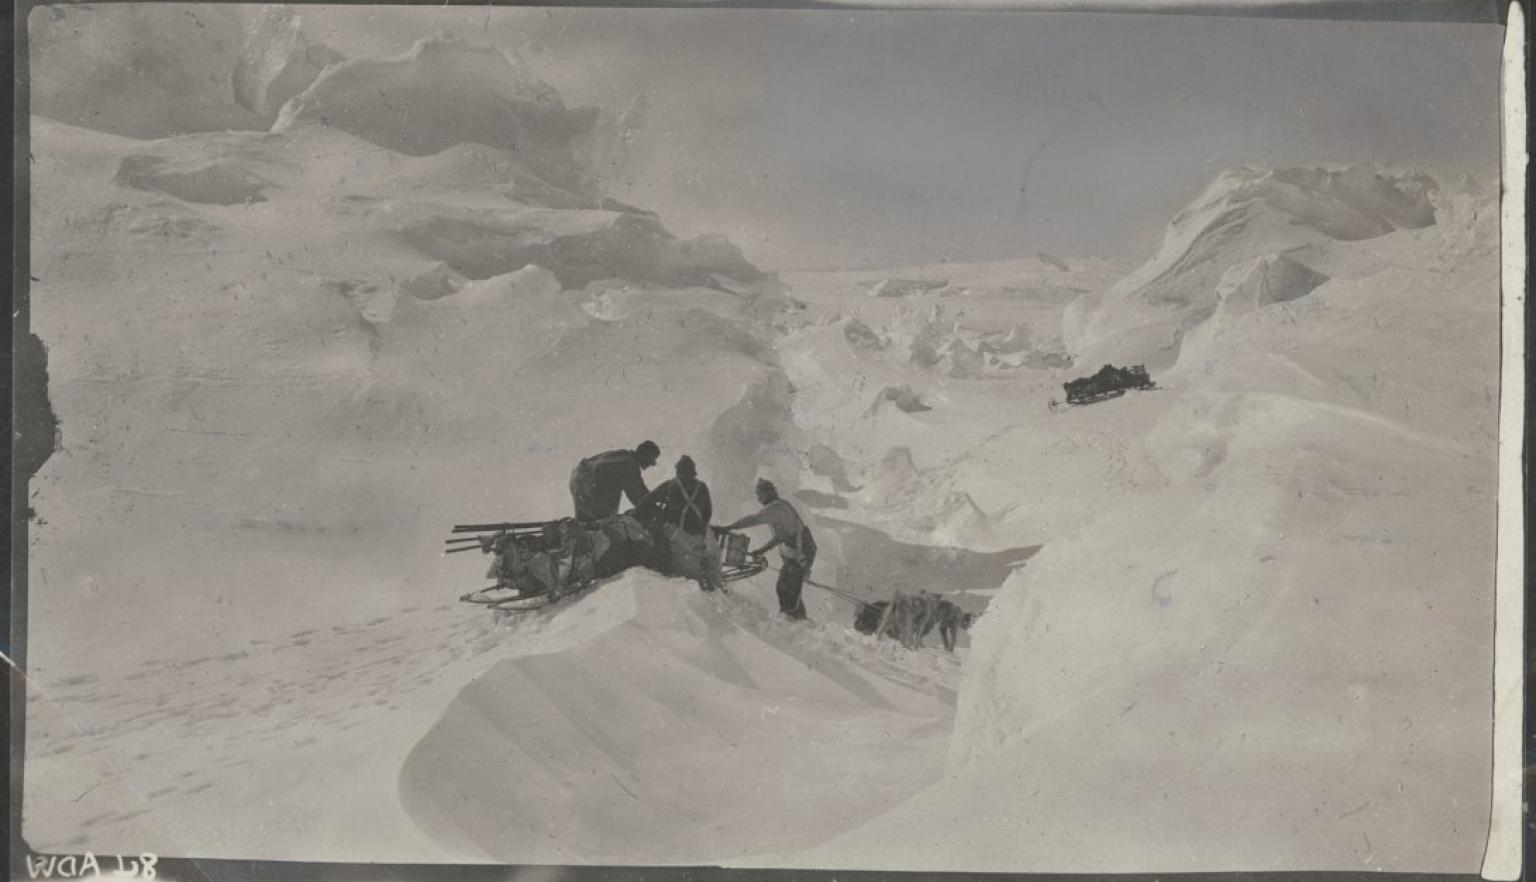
(1242, 215)
(657, 724)
(444, 92)
(139, 70)
(282, 362)
(579, 246)
(278, 380)
(1268, 648)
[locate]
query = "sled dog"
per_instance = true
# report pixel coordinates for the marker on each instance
(910, 617)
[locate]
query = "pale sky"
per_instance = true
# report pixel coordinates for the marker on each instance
(841, 138)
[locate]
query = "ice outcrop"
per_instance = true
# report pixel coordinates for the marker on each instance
(476, 170)
(862, 336)
(578, 246)
(444, 92)
(1019, 347)
(902, 397)
(824, 461)
(938, 340)
(1053, 261)
(753, 438)
(1242, 215)
(1264, 281)
(894, 480)
(139, 70)
(430, 281)
(904, 287)
(954, 518)
(277, 61)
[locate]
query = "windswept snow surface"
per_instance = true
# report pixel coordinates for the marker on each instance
(143, 70)
(1259, 633)
(445, 92)
(276, 392)
(1241, 621)
(655, 723)
(1243, 214)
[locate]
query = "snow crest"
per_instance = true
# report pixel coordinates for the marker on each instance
(444, 92)
(734, 701)
(1242, 215)
(277, 62)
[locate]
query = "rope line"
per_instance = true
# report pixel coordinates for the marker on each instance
(838, 591)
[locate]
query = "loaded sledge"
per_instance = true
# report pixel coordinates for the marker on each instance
(1109, 382)
(537, 563)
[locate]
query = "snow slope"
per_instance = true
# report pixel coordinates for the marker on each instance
(944, 457)
(647, 723)
(1269, 650)
(653, 723)
(144, 70)
(444, 92)
(1242, 620)
(277, 388)
(1243, 214)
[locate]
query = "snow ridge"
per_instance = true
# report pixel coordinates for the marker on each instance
(1242, 215)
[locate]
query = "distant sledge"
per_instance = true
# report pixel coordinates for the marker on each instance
(540, 563)
(1109, 382)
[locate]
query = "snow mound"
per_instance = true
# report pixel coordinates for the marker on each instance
(861, 336)
(1265, 281)
(902, 397)
(954, 518)
(430, 281)
(893, 480)
(277, 61)
(471, 170)
(1015, 340)
(212, 182)
(938, 340)
(727, 693)
(140, 70)
(904, 287)
(1053, 261)
(1300, 526)
(1242, 215)
(825, 462)
(934, 341)
(1018, 347)
(755, 437)
(443, 92)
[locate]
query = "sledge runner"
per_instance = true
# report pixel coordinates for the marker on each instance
(599, 482)
(797, 545)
